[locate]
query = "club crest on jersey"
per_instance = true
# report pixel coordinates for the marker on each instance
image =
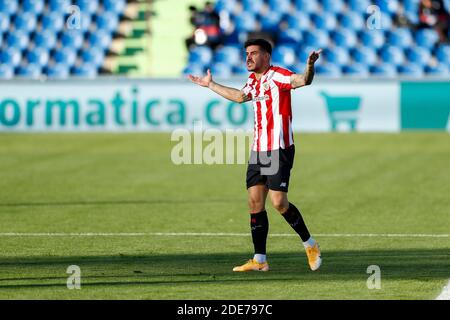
(265, 86)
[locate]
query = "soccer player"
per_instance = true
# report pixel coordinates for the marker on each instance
(269, 87)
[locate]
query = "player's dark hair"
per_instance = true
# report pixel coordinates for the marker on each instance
(262, 43)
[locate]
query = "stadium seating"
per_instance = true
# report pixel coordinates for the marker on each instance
(43, 38)
(339, 26)
(39, 38)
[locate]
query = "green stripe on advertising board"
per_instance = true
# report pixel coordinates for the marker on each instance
(425, 105)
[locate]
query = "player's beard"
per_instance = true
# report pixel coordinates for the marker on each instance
(252, 66)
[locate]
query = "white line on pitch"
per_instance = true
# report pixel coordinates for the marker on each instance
(445, 294)
(205, 234)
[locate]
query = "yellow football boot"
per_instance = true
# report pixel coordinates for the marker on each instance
(314, 258)
(252, 265)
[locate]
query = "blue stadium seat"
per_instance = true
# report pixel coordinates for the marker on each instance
(93, 56)
(386, 22)
(383, 70)
(441, 70)
(33, 6)
(221, 70)
(236, 37)
(338, 56)
(85, 71)
(307, 6)
(228, 54)
(30, 70)
(352, 20)
(324, 21)
(410, 70)
(58, 71)
(392, 55)
(9, 7)
(38, 56)
(359, 5)
(17, 39)
(201, 55)
(45, 39)
(443, 54)
(72, 39)
(356, 70)
(344, 38)
(400, 38)
(240, 70)
(271, 22)
(329, 70)
(419, 56)
(53, 21)
(412, 17)
(4, 23)
(116, 6)
(194, 69)
(284, 55)
(411, 6)
(11, 57)
(447, 5)
(6, 71)
(245, 22)
(364, 55)
(372, 38)
(60, 6)
(389, 7)
(333, 6)
(253, 6)
(86, 22)
(298, 68)
(281, 6)
(303, 53)
(25, 22)
(427, 38)
(225, 5)
(318, 39)
(108, 21)
(290, 36)
(299, 20)
(65, 56)
(100, 39)
(88, 6)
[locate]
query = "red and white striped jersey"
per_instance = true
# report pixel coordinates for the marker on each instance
(271, 98)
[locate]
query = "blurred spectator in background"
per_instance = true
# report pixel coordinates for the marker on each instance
(194, 20)
(194, 16)
(206, 25)
(401, 19)
(432, 14)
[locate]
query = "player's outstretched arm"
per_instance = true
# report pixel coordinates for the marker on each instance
(226, 92)
(305, 79)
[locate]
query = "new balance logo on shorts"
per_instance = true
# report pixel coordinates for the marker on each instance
(283, 184)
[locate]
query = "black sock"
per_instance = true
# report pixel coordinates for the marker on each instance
(260, 228)
(295, 220)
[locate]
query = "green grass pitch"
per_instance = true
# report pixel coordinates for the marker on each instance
(126, 183)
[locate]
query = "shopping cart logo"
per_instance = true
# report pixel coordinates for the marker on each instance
(343, 111)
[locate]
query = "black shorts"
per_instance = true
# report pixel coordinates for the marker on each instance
(271, 168)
